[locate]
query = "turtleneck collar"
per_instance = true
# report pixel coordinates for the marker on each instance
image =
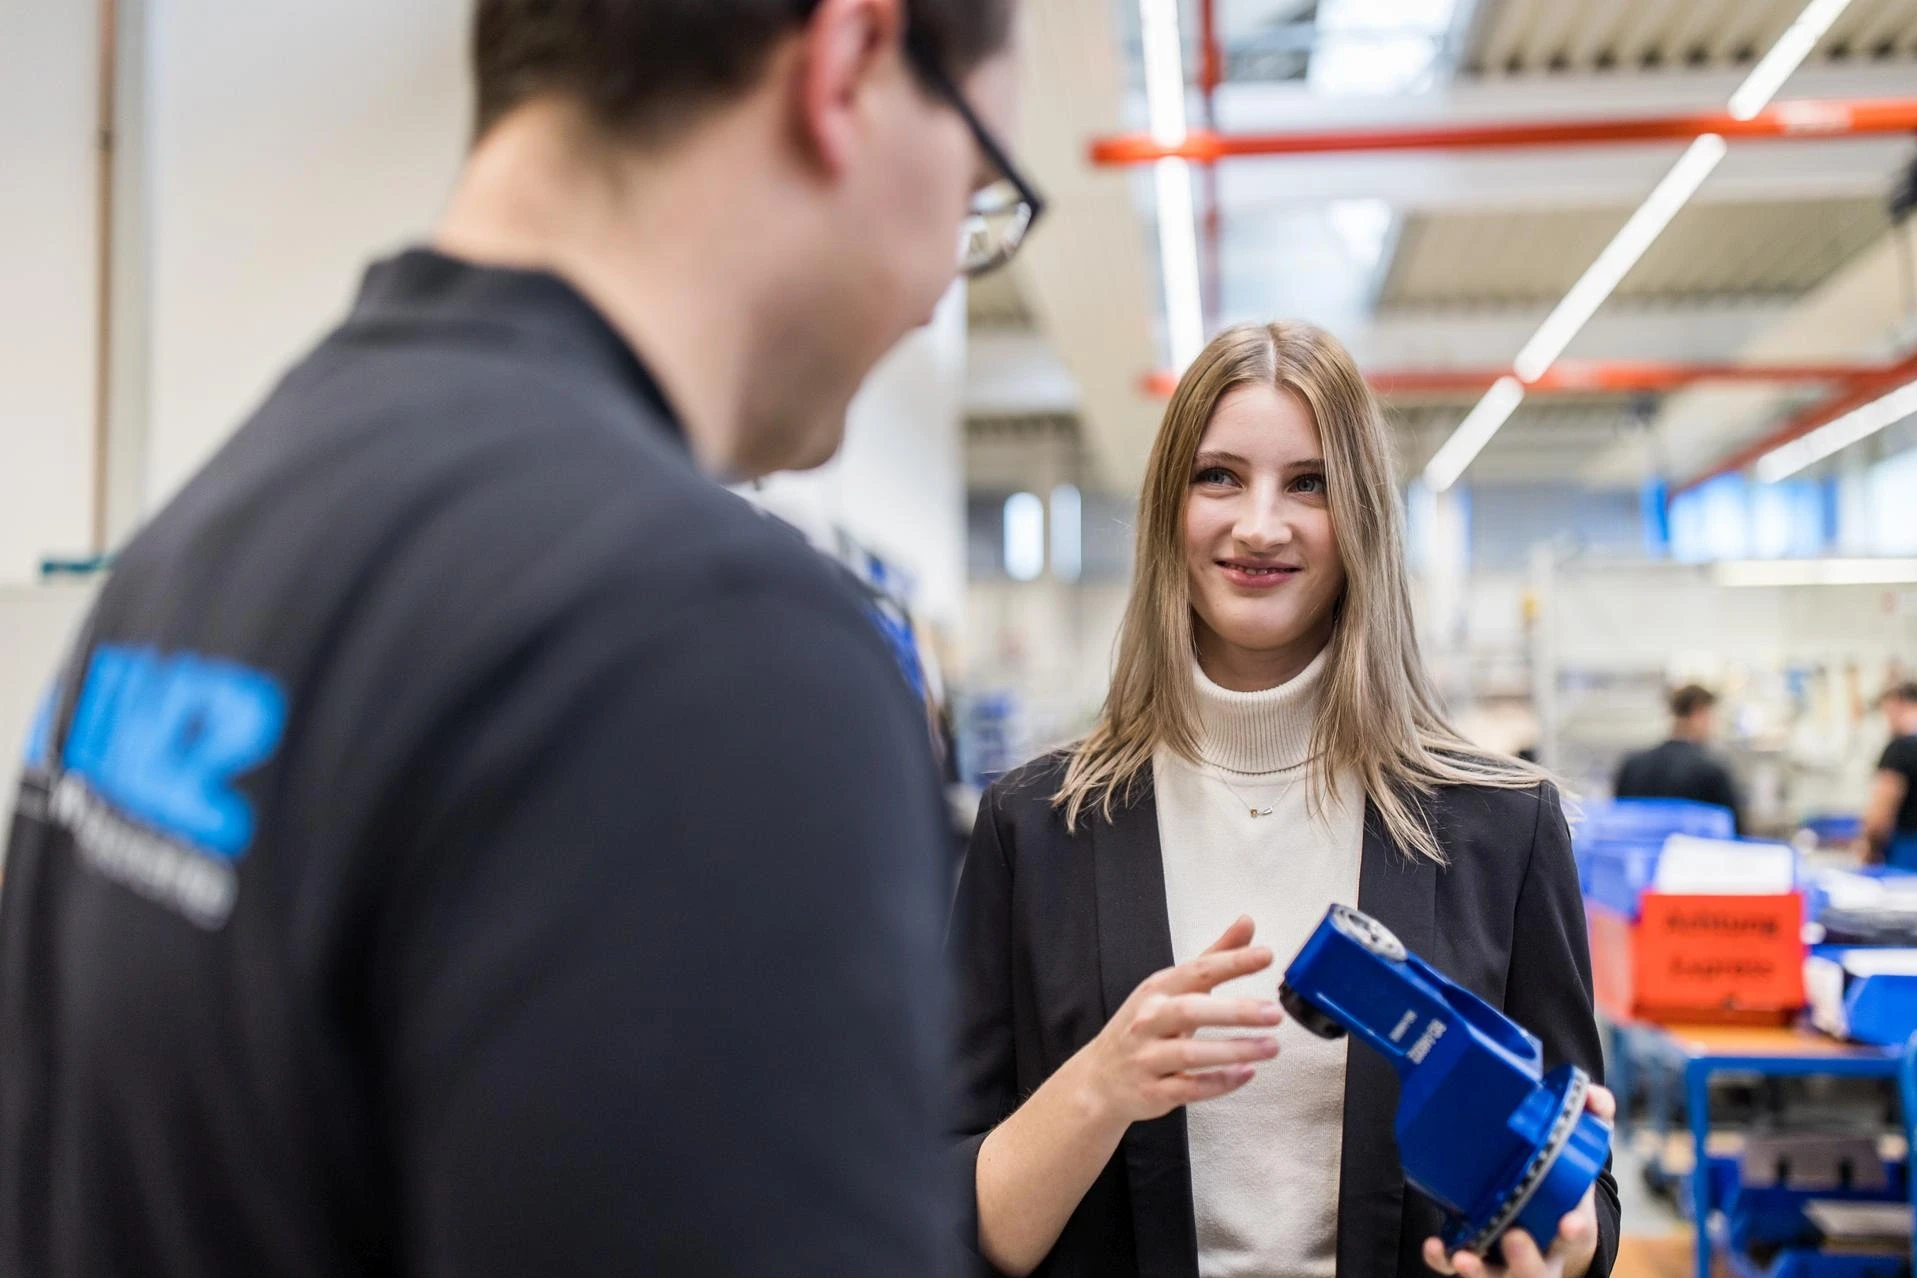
(1256, 732)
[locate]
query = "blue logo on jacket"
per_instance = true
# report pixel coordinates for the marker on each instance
(166, 739)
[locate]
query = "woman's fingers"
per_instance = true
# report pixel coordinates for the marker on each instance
(1190, 1089)
(1522, 1257)
(1601, 1101)
(1212, 969)
(1180, 1055)
(1462, 1263)
(1185, 1013)
(1235, 937)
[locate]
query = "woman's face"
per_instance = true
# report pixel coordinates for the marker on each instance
(1263, 557)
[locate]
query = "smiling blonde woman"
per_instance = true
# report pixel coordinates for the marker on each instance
(1130, 1101)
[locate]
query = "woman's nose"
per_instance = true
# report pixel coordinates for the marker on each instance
(1262, 525)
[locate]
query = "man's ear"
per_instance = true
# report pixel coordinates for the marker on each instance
(846, 44)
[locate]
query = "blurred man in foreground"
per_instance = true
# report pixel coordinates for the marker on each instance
(1683, 767)
(466, 840)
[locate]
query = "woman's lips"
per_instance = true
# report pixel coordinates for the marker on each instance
(1257, 576)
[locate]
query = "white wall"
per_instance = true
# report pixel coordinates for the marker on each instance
(287, 145)
(48, 124)
(36, 625)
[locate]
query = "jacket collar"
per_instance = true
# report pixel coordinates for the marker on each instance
(1134, 940)
(423, 290)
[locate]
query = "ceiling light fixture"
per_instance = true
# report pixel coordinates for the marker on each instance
(1473, 433)
(1768, 76)
(1815, 572)
(1619, 256)
(1177, 219)
(1859, 423)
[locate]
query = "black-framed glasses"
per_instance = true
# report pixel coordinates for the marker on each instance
(1003, 212)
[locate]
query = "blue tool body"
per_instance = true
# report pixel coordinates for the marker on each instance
(1481, 1130)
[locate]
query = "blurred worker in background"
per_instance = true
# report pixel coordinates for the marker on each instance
(1683, 768)
(1890, 812)
(467, 839)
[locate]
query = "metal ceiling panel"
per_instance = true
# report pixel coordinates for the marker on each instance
(1535, 37)
(1544, 440)
(1771, 249)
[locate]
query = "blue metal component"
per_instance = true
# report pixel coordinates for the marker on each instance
(1481, 1130)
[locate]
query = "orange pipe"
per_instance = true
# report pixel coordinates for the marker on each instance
(1801, 119)
(1856, 394)
(1572, 376)
(1211, 68)
(1211, 73)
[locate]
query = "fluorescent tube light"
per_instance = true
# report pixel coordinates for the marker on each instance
(1177, 219)
(1024, 537)
(1473, 433)
(1619, 256)
(1787, 459)
(1815, 572)
(1768, 76)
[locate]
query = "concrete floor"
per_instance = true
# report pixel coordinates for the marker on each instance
(1644, 1216)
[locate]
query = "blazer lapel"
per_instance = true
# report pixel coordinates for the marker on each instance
(1134, 940)
(1400, 891)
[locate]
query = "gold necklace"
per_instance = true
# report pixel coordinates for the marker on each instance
(1251, 807)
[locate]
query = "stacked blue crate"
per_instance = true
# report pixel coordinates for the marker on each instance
(1617, 844)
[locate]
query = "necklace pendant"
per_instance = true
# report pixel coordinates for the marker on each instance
(1258, 812)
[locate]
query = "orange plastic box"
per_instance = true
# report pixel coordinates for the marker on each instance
(1691, 959)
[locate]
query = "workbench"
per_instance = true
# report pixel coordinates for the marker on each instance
(1698, 1052)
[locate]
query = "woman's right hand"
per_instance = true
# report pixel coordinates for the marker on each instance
(1146, 1061)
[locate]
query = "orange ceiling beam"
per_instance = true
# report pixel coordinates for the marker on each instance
(1806, 119)
(1855, 394)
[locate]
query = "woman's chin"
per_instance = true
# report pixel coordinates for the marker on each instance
(1263, 641)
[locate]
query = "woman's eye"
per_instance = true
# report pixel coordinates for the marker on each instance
(1309, 483)
(1213, 475)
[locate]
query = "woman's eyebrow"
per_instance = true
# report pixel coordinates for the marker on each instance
(1219, 459)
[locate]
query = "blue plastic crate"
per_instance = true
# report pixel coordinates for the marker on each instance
(1652, 820)
(1617, 844)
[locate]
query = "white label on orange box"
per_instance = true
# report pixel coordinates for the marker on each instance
(1724, 867)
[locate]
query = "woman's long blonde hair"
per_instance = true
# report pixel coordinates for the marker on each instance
(1380, 719)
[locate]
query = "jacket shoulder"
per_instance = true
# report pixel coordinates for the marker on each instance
(1495, 816)
(1026, 791)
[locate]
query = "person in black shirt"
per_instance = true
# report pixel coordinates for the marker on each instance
(1890, 813)
(1682, 768)
(466, 839)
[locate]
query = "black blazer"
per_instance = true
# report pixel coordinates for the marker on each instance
(1052, 932)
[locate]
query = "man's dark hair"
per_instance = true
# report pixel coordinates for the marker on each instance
(1691, 698)
(643, 68)
(1904, 691)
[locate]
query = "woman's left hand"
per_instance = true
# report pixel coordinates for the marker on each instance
(1571, 1252)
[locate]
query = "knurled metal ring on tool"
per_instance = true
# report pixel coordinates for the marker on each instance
(1520, 1195)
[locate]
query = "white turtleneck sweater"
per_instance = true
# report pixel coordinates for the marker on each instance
(1264, 1160)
